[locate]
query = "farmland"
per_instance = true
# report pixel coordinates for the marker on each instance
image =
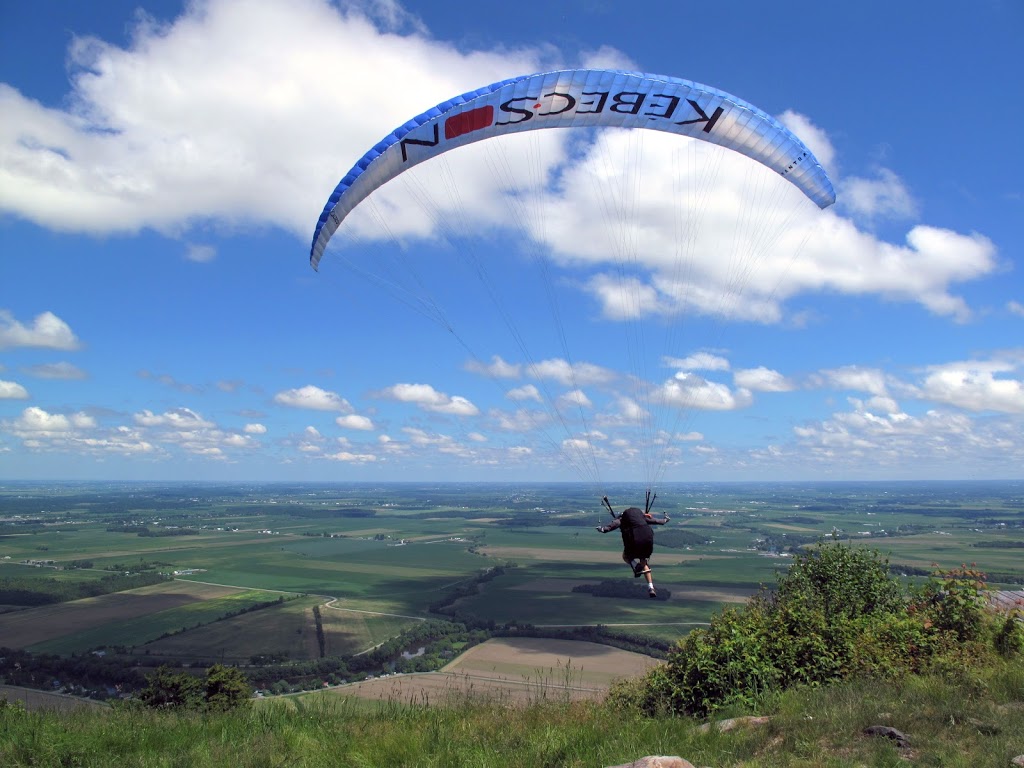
(519, 670)
(300, 573)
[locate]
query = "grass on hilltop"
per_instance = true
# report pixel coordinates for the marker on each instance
(968, 720)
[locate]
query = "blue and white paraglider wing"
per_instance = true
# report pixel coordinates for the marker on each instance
(578, 98)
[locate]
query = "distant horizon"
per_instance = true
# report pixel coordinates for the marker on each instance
(526, 483)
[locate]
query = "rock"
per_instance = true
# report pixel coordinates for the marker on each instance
(889, 733)
(728, 725)
(657, 761)
(1018, 761)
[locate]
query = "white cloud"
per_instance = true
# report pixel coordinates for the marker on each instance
(574, 398)
(179, 418)
(975, 386)
(571, 375)
(1015, 308)
(940, 442)
(255, 429)
(762, 379)
(220, 115)
(528, 392)
(440, 443)
(313, 398)
(40, 430)
(354, 421)
(630, 411)
(352, 458)
(851, 262)
(37, 421)
(851, 377)
(47, 331)
(700, 361)
(688, 390)
(882, 197)
(521, 420)
(429, 399)
(11, 390)
(689, 437)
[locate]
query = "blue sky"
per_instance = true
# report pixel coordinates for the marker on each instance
(163, 165)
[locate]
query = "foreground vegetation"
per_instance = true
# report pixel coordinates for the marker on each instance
(969, 719)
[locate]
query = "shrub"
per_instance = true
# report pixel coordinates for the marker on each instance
(1009, 636)
(954, 601)
(836, 613)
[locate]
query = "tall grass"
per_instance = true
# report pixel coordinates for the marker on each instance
(973, 719)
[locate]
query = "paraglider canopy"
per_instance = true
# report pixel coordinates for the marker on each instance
(577, 98)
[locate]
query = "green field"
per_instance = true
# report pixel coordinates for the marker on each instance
(377, 558)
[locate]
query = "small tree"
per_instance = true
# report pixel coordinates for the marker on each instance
(168, 689)
(226, 688)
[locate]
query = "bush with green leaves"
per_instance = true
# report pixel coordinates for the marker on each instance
(836, 613)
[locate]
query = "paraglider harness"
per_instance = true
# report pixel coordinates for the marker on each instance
(648, 505)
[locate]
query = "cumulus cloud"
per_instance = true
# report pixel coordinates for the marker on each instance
(47, 331)
(1015, 308)
(574, 398)
(437, 442)
(851, 377)
(216, 115)
(975, 386)
(255, 429)
(352, 458)
(78, 432)
(179, 418)
(571, 374)
(429, 399)
(688, 390)
(520, 420)
(762, 379)
(528, 392)
(699, 361)
(39, 422)
(939, 440)
(354, 421)
(313, 398)
(884, 196)
(11, 390)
